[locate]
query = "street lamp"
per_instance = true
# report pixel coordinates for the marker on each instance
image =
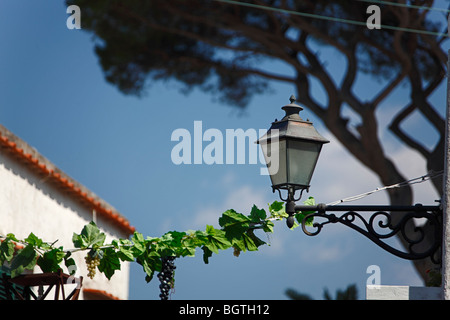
(291, 148)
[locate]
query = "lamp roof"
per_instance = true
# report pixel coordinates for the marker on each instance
(292, 126)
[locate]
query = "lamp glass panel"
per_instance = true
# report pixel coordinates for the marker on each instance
(302, 158)
(275, 156)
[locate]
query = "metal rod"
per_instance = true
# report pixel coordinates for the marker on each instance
(323, 208)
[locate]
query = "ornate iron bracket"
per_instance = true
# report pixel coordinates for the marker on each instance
(420, 244)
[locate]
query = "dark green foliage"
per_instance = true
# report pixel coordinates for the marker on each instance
(237, 231)
(218, 47)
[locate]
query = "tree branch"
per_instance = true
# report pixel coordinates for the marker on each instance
(389, 88)
(395, 128)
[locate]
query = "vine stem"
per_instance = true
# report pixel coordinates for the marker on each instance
(26, 243)
(68, 250)
(102, 247)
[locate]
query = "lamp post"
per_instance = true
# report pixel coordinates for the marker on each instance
(291, 148)
(446, 194)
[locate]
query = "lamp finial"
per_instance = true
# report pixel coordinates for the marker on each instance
(292, 98)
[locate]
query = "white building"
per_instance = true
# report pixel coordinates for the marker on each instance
(35, 196)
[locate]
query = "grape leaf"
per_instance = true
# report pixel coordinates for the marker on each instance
(268, 226)
(276, 206)
(125, 253)
(90, 236)
(187, 250)
(255, 240)
(12, 237)
(109, 263)
(301, 215)
(170, 243)
(6, 251)
(151, 262)
(310, 202)
(234, 224)
(277, 210)
(50, 260)
(231, 217)
(33, 240)
(147, 269)
(257, 215)
(249, 243)
(217, 239)
(24, 260)
(138, 243)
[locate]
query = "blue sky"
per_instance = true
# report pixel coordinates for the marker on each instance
(54, 96)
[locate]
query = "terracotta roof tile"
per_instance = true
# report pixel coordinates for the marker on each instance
(96, 294)
(23, 152)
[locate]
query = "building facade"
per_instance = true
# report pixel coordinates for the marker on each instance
(35, 196)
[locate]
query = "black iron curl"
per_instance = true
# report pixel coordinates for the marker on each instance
(414, 236)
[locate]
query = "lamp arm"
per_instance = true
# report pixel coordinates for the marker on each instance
(380, 221)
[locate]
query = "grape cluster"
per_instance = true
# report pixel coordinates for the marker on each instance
(92, 262)
(166, 276)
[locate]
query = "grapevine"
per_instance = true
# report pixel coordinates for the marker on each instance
(154, 254)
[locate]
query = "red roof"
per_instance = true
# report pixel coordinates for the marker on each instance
(29, 156)
(95, 294)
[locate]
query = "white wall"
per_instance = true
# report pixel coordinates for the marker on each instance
(374, 292)
(29, 203)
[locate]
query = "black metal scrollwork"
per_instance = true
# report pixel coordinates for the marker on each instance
(419, 244)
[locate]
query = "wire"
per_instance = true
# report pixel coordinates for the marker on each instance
(317, 16)
(429, 176)
(405, 5)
